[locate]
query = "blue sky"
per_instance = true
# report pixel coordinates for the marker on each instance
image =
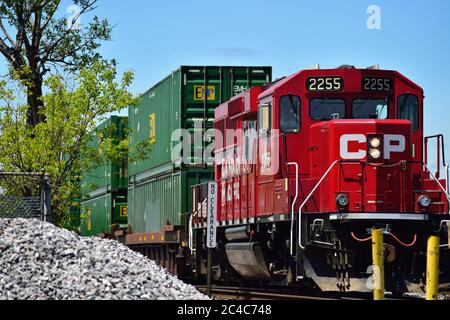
(154, 37)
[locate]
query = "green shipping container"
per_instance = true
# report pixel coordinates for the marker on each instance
(163, 200)
(72, 222)
(108, 177)
(186, 99)
(98, 214)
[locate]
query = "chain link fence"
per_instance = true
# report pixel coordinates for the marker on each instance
(25, 195)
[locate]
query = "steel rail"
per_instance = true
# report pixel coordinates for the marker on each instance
(238, 293)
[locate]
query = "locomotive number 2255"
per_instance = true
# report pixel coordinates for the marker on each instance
(377, 84)
(325, 84)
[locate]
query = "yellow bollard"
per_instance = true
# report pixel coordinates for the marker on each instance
(433, 268)
(378, 264)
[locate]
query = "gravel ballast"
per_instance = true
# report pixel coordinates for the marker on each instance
(39, 261)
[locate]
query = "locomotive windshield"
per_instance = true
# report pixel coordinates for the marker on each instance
(327, 109)
(370, 109)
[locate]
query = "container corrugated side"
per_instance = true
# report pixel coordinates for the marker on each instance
(107, 176)
(98, 214)
(163, 199)
(185, 100)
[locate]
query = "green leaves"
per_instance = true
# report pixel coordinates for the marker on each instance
(34, 31)
(60, 145)
(35, 42)
(45, 120)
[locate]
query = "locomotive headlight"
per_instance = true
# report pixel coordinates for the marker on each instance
(375, 142)
(375, 147)
(375, 154)
(424, 201)
(342, 200)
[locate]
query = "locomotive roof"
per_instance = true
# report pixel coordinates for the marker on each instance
(273, 87)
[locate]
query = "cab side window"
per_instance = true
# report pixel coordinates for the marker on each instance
(408, 109)
(290, 114)
(265, 118)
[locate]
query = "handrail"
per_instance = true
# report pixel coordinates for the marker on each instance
(447, 167)
(191, 236)
(448, 176)
(340, 161)
(438, 182)
(191, 222)
(441, 137)
(440, 144)
(295, 164)
(307, 199)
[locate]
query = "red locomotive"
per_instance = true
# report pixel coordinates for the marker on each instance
(307, 166)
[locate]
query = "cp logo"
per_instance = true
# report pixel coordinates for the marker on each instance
(393, 143)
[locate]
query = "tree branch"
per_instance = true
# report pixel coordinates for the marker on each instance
(7, 36)
(36, 34)
(7, 51)
(49, 14)
(50, 48)
(22, 17)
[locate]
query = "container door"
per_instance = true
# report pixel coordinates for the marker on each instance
(202, 94)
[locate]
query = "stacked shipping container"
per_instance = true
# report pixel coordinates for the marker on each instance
(104, 188)
(159, 190)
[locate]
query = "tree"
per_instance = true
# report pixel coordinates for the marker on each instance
(59, 146)
(33, 41)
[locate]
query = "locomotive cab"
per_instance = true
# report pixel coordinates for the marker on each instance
(314, 162)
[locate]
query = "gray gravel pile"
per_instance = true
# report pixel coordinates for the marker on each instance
(39, 261)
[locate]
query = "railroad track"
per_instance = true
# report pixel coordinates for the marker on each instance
(248, 294)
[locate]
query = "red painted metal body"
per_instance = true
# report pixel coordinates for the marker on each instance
(370, 187)
(255, 181)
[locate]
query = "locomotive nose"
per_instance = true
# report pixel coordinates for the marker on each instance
(371, 174)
